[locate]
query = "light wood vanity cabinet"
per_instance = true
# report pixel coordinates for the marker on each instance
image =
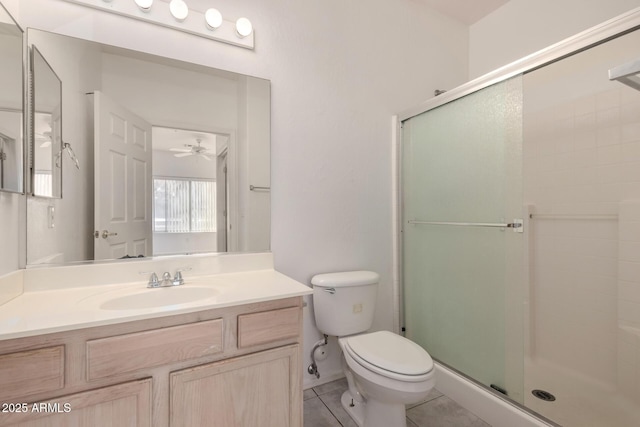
(234, 366)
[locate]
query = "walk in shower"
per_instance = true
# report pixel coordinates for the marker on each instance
(521, 233)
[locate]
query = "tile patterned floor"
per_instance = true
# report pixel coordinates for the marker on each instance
(322, 408)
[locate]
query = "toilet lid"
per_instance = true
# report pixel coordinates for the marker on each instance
(391, 352)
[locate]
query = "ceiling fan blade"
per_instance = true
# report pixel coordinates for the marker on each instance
(184, 154)
(205, 156)
(45, 144)
(181, 150)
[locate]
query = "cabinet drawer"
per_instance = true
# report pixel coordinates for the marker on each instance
(267, 326)
(127, 353)
(30, 372)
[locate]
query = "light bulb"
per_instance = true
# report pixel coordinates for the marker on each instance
(213, 18)
(145, 5)
(243, 27)
(179, 9)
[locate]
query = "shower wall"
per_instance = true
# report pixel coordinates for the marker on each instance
(581, 170)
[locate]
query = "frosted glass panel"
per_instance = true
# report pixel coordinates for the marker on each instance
(462, 163)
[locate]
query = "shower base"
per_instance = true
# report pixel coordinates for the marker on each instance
(580, 401)
(496, 411)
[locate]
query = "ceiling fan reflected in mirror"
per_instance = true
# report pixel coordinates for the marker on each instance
(43, 136)
(44, 139)
(192, 150)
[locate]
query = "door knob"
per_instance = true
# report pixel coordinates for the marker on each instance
(105, 234)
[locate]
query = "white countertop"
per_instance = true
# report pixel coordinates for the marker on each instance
(46, 311)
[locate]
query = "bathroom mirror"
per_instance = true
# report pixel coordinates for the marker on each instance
(46, 164)
(11, 105)
(174, 158)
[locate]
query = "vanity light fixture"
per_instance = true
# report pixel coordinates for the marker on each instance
(179, 9)
(144, 5)
(244, 27)
(239, 33)
(213, 19)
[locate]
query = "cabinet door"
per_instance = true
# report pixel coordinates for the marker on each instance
(259, 390)
(121, 405)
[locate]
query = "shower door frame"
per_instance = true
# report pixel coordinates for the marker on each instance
(601, 33)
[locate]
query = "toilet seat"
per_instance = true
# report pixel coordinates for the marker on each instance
(389, 355)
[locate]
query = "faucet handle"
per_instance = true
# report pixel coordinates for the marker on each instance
(153, 279)
(177, 279)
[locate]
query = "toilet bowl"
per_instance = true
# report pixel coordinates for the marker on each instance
(385, 371)
(388, 371)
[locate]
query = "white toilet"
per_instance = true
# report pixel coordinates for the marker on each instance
(384, 370)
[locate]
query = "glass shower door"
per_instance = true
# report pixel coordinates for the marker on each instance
(462, 241)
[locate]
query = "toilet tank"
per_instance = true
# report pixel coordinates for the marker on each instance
(344, 303)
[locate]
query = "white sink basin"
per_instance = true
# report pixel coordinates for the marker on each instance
(160, 297)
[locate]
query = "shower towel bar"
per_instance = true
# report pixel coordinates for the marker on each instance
(517, 224)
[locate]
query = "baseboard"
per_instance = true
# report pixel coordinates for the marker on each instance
(324, 378)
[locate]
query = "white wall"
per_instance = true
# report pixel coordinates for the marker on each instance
(338, 72)
(522, 27)
(152, 91)
(254, 155)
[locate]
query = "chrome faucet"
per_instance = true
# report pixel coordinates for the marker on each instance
(167, 280)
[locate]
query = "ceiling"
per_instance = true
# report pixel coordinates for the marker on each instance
(167, 138)
(466, 11)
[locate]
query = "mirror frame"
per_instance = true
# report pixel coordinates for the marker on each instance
(23, 110)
